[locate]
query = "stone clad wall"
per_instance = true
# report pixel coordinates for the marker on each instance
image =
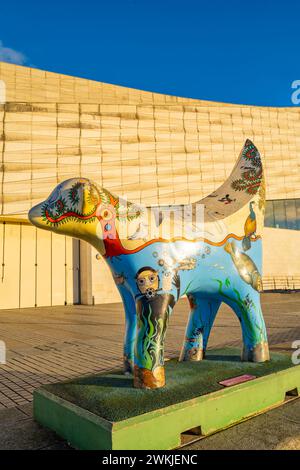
(150, 147)
(25, 84)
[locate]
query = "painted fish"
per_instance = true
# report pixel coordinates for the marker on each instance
(246, 268)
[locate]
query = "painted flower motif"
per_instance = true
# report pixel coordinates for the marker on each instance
(93, 194)
(74, 194)
(155, 254)
(59, 206)
(207, 250)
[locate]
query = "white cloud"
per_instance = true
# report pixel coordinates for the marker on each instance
(11, 55)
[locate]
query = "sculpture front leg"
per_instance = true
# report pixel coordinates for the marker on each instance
(152, 320)
(130, 329)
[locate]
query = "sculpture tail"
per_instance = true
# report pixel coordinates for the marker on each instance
(244, 184)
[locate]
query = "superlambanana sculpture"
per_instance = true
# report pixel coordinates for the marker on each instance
(158, 255)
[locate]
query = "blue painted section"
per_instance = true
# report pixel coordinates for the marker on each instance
(207, 274)
(212, 262)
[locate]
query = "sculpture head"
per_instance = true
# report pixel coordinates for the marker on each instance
(76, 207)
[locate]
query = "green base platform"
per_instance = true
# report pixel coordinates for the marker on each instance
(104, 411)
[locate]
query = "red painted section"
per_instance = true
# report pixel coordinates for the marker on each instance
(112, 242)
(68, 214)
(237, 380)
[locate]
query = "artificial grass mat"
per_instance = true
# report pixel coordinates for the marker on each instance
(111, 394)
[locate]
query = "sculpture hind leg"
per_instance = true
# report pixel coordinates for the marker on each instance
(152, 321)
(130, 329)
(202, 316)
(245, 302)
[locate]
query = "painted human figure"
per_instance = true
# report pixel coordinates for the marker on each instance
(153, 308)
(153, 270)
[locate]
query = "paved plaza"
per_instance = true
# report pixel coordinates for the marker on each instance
(48, 344)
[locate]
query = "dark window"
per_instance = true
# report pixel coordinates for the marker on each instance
(297, 201)
(279, 214)
(290, 213)
(282, 213)
(269, 214)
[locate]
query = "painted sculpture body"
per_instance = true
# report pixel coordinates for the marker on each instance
(220, 262)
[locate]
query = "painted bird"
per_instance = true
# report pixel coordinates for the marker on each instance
(249, 228)
(141, 233)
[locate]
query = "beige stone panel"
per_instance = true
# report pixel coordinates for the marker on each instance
(67, 136)
(110, 147)
(104, 288)
(89, 109)
(10, 265)
(14, 176)
(17, 129)
(59, 270)
(110, 135)
(15, 191)
(14, 117)
(88, 157)
(27, 266)
(44, 269)
(134, 195)
(281, 252)
(86, 275)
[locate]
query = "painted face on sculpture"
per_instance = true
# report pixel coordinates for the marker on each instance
(147, 281)
(75, 207)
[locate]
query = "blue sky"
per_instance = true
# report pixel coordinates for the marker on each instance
(232, 51)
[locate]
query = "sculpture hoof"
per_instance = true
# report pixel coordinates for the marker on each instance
(127, 365)
(193, 354)
(145, 378)
(259, 353)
